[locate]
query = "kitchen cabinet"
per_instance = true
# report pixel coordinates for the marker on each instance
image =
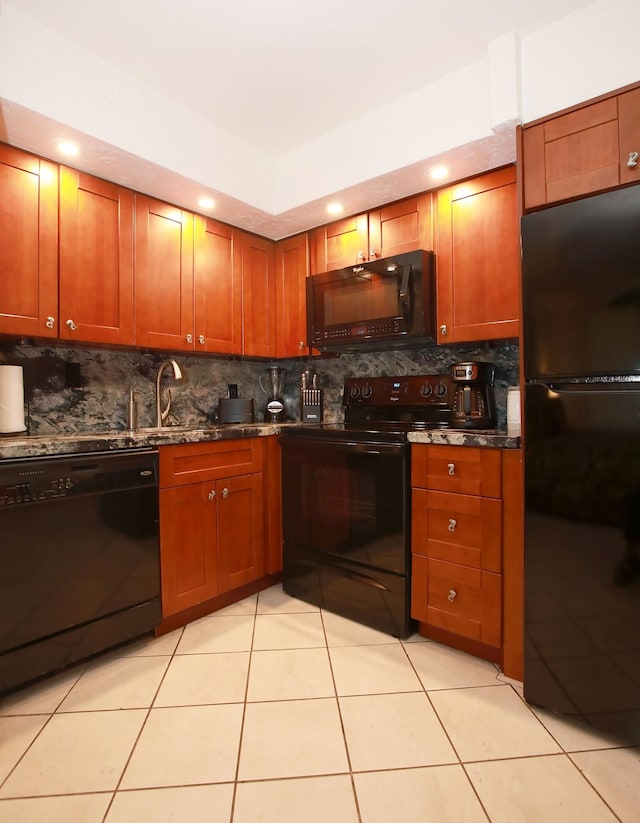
(456, 545)
(96, 260)
(163, 275)
(217, 289)
(405, 225)
(28, 244)
(478, 254)
(292, 268)
(212, 520)
(588, 149)
(258, 296)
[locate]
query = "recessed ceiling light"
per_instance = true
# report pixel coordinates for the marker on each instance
(439, 172)
(206, 203)
(66, 147)
(335, 208)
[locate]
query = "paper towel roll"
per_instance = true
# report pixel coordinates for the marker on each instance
(11, 399)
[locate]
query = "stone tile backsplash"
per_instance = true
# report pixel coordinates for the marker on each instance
(70, 389)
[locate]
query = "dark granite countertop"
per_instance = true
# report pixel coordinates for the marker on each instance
(14, 447)
(18, 446)
(487, 438)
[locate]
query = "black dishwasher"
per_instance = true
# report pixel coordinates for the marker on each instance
(79, 558)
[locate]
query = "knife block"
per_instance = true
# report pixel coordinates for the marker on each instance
(311, 405)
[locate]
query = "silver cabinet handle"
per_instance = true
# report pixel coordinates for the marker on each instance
(452, 595)
(451, 468)
(452, 524)
(189, 338)
(201, 339)
(212, 494)
(71, 325)
(372, 253)
(300, 345)
(632, 162)
(360, 257)
(443, 329)
(225, 492)
(50, 322)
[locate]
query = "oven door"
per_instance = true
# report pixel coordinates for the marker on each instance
(346, 528)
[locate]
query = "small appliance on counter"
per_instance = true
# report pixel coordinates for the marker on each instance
(310, 397)
(473, 404)
(272, 384)
(234, 409)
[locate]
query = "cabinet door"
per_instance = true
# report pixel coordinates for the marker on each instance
(96, 259)
(188, 546)
(28, 244)
(571, 155)
(401, 227)
(478, 291)
(217, 287)
(241, 538)
(258, 296)
(340, 244)
(163, 275)
(629, 134)
(292, 266)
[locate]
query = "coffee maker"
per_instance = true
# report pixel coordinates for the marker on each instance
(473, 404)
(272, 382)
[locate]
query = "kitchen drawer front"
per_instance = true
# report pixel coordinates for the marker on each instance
(197, 462)
(460, 469)
(457, 528)
(464, 601)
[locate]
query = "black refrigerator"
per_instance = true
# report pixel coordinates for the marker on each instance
(581, 354)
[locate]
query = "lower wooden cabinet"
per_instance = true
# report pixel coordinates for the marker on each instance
(459, 541)
(213, 530)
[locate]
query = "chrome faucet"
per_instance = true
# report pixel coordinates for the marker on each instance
(161, 415)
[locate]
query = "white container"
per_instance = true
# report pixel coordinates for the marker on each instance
(11, 400)
(513, 411)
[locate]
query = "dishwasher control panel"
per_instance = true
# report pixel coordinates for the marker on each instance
(35, 489)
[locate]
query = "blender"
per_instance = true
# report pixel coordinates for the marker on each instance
(272, 383)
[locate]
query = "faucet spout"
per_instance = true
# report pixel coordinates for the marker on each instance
(162, 414)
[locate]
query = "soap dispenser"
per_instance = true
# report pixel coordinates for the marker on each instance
(132, 411)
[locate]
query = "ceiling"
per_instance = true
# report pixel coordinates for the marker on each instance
(278, 75)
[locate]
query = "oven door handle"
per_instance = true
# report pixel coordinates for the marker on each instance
(346, 446)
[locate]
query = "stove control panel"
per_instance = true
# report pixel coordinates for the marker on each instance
(408, 390)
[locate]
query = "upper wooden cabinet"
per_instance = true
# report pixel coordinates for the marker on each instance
(478, 259)
(163, 276)
(258, 296)
(28, 244)
(96, 259)
(217, 287)
(590, 149)
(292, 267)
(399, 227)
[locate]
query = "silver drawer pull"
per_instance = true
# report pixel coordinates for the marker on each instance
(225, 492)
(212, 494)
(452, 595)
(452, 468)
(50, 322)
(632, 162)
(71, 325)
(452, 524)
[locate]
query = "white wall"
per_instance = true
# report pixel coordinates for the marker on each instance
(147, 141)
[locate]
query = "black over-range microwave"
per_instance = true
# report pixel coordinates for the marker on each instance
(388, 303)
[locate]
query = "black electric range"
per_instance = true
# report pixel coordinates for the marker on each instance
(347, 500)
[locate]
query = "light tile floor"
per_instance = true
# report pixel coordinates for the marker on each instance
(272, 711)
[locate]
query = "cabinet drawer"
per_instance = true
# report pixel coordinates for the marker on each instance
(458, 528)
(460, 469)
(196, 462)
(464, 601)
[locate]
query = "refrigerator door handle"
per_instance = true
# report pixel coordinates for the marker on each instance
(595, 385)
